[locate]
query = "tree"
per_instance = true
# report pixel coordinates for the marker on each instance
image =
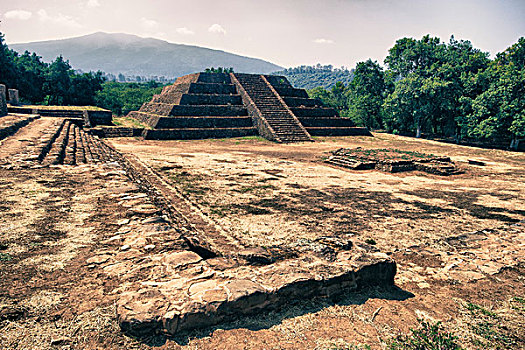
(8, 71)
(366, 94)
(499, 111)
(412, 105)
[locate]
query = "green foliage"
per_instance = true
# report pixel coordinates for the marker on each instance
(41, 83)
(121, 98)
(499, 111)
(219, 70)
(432, 87)
(427, 337)
(367, 94)
(310, 77)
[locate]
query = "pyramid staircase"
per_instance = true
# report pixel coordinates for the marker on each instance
(316, 118)
(221, 105)
(273, 115)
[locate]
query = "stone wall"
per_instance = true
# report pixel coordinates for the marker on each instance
(203, 122)
(327, 122)
(100, 117)
(3, 101)
(208, 99)
(205, 88)
(13, 98)
(301, 101)
(290, 92)
(116, 132)
(199, 133)
(202, 110)
(314, 112)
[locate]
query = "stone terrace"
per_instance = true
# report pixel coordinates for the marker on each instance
(218, 105)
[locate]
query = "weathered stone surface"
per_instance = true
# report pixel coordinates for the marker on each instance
(178, 259)
(225, 295)
(3, 100)
(13, 98)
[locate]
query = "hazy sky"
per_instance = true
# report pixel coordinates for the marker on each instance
(285, 32)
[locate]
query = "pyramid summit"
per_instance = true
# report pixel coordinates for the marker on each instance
(218, 105)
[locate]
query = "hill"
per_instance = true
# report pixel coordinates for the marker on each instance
(309, 77)
(131, 55)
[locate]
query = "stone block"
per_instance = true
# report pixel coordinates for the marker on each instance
(13, 98)
(3, 101)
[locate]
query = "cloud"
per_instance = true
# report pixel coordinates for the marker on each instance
(184, 31)
(18, 14)
(59, 18)
(323, 41)
(217, 28)
(148, 23)
(93, 3)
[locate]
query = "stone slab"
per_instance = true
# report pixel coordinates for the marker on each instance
(3, 100)
(212, 297)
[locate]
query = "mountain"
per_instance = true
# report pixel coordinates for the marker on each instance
(135, 56)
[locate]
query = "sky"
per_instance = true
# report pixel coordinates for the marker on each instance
(285, 32)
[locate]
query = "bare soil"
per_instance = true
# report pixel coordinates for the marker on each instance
(458, 242)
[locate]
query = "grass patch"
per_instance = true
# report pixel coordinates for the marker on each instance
(5, 257)
(474, 308)
(487, 326)
(517, 303)
(129, 123)
(427, 337)
(189, 183)
(255, 188)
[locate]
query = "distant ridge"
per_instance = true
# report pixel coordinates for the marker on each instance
(132, 55)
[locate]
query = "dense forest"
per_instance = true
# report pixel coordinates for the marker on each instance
(309, 77)
(432, 87)
(53, 83)
(122, 98)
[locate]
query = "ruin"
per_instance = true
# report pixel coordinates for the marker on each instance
(392, 161)
(219, 105)
(177, 236)
(3, 101)
(205, 275)
(13, 98)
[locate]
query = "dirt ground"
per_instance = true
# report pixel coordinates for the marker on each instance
(458, 241)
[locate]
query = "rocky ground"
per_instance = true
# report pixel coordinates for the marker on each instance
(75, 238)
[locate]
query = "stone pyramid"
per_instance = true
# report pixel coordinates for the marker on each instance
(219, 105)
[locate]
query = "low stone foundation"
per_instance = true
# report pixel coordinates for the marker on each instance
(392, 161)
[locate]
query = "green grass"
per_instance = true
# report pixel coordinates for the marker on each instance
(5, 257)
(427, 337)
(189, 183)
(129, 122)
(473, 308)
(255, 188)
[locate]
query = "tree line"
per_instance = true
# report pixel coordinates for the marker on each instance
(54, 83)
(308, 77)
(432, 87)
